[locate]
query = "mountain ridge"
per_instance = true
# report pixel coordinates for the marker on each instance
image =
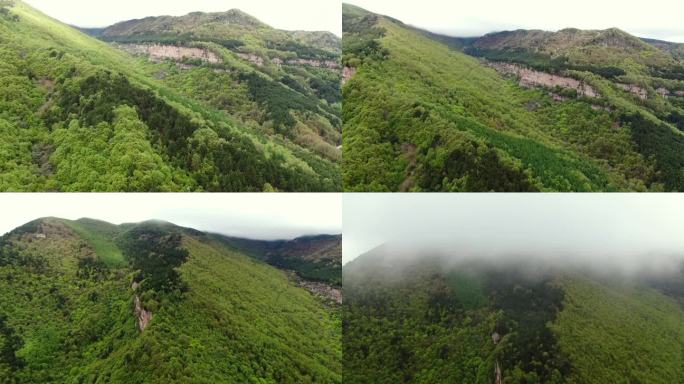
(489, 115)
(183, 130)
(451, 319)
(179, 295)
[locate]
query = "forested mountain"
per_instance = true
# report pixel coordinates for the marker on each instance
(86, 301)
(316, 258)
(179, 105)
(430, 319)
(520, 110)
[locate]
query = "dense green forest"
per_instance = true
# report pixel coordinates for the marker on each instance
(78, 114)
(424, 112)
(90, 302)
(427, 320)
(317, 258)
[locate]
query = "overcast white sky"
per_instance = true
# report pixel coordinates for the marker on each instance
(252, 215)
(593, 225)
(308, 15)
(661, 19)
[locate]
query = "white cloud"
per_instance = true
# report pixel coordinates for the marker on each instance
(310, 15)
(253, 215)
(624, 226)
(660, 19)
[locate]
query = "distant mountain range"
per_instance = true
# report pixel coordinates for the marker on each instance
(517, 110)
(151, 302)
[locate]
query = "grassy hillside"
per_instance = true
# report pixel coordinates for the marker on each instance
(430, 322)
(421, 115)
(183, 308)
(81, 115)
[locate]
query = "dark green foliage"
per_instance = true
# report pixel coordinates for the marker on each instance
(660, 142)
(542, 61)
(327, 272)
(79, 115)
(326, 89)
(5, 12)
(536, 60)
(422, 319)
(301, 50)
(239, 164)
(528, 305)
(676, 118)
(427, 117)
(316, 258)
(672, 73)
(95, 98)
(181, 39)
(10, 344)
(472, 166)
(237, 320)
(278, 100)
(156, 253)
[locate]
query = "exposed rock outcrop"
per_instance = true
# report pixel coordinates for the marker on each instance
(317, 288)
(259, 61)
(530, 78)
(636, 90)
(330, 64)
(144, 316)
(159, 52)
(347, 73)
(252, 58)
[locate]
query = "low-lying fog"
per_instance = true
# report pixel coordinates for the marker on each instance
(610, 232)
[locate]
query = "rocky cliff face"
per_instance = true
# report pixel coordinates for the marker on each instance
(259, 61)
(347, 74)
(530, 78)
(142, 315)
(159, 52)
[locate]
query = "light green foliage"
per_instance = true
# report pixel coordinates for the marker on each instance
(620, 333)
(420, 115)
(115, 157)
(70, 319)
(99, 236)
(427, 320)
(65, 126)
(408, 327)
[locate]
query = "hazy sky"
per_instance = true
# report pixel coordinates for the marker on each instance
(253, 215)
(309, 15)
(587, 226)
(661, 19)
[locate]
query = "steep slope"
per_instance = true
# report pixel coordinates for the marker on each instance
(285, 82)
(427, 320)
(80, 115)
(317, 258)
(183, 308)
(421, 115)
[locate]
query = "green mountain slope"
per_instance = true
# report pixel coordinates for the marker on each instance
(182, 308)
(422, 115)
(431, 321)
(81, 115)
(317, 258)
(279, 82)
